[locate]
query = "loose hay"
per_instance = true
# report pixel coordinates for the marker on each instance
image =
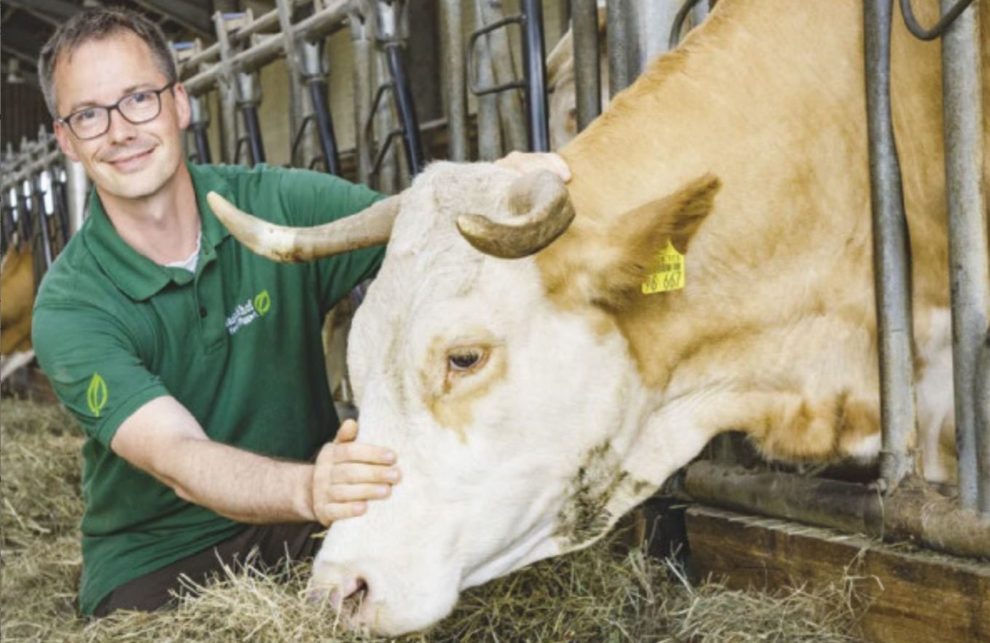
(593, 595)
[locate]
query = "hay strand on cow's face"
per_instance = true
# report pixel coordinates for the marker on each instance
(594, 595)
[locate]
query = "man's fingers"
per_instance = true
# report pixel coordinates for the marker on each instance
(330, 512)
(359, 473)
(341, 493)
(360, 452)
(347, 432)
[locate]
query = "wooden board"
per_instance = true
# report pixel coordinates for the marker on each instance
(912, 595)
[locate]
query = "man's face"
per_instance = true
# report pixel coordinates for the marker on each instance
(129, 161)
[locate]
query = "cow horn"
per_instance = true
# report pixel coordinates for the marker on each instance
(544, 213)
(370, 227)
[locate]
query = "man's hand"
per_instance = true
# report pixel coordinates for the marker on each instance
(525, 162)
(347, 474)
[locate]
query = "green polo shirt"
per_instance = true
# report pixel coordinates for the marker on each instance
(238, 343)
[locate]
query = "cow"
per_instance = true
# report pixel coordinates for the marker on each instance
(16, 299)
(508, 350)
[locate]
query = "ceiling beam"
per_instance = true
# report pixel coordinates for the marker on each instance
(22, 44)
(191, 15)
(53, 11)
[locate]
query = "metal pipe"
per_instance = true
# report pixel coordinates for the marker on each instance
(535, 72)
(510, 106)
(452, 43)
(623, 51)
(222, 75)
(913, 512)
(270, 47)
(587, 62)
(653, 22)
(77, 191)
(388, 13)
(249, 96)
(890, 254)
(362, 48)
(983, 426)
(489, 130)
(963, 127)
(199, 122)
(407, 108)
(298, 105)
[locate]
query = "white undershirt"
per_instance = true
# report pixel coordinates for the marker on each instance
(190, 262)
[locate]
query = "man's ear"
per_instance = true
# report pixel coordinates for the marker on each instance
(63, 136)
(182, 109)
(606, 263)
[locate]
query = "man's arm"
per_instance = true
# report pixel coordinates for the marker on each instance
(163, 439)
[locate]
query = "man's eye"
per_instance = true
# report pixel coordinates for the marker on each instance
(84, 116)
(140, 97)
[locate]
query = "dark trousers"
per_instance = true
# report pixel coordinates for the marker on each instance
(274, 543)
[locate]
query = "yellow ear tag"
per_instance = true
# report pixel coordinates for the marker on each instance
(668, 272)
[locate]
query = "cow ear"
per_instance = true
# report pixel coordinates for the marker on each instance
(640, 235)
(606, 263)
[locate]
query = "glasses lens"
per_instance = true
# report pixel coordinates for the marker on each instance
(140, 106)
(90, 122)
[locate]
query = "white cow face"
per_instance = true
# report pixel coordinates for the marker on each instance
(506, 413)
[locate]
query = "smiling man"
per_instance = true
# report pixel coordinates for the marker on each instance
(200, 433)
(193, 366)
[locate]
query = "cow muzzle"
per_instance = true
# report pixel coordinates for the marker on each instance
(373, 603)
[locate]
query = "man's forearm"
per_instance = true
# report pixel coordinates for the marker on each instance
(238, 484)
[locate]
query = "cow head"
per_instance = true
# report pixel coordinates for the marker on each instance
(511, 409)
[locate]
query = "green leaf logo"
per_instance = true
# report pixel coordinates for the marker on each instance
(262, 302)
(96, 394)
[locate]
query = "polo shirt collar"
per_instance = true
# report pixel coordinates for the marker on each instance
(134, 274)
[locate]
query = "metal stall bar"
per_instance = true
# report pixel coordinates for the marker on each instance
(653, 20)
(623, 48)
(452, 42)
(315, 78)
(300, 109)
(199, 123)
(535, 73)
(510, 107)
(890, 254)
(587, 67)
(912, 512)
(490, 144)
(967, 240)
(77, 189)
(982, 402)
(223, 76)
(263, 50)
(362, 48)
(388, 16)
(248, 99)
(199, 118)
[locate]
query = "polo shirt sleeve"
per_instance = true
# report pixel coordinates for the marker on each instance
(311, 198)
(93, 367)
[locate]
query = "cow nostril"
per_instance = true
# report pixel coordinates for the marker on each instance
(356, 590)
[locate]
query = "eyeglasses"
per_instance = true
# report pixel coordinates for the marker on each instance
(139, 107)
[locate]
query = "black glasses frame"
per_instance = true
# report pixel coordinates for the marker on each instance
(66, 120)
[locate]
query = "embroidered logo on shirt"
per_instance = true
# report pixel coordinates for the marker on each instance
(250, 310)
(96, 394)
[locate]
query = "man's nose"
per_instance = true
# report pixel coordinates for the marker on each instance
(121, 129)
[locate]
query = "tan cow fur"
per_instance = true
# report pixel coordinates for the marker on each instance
(16, 300)
(772, 330)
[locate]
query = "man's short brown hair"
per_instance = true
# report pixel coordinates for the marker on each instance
(97, 24)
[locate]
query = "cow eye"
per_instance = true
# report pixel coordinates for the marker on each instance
(462, 361)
